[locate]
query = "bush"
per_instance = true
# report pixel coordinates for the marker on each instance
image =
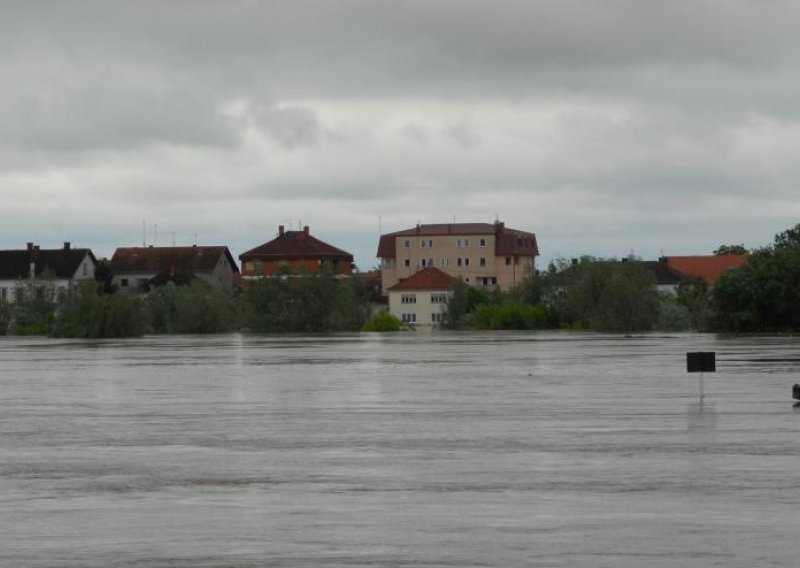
(509, 316)
(307, 304)
(86, 313)
(382, 321)
(197, 308)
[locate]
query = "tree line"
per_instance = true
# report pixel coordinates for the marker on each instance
(311, 304)
(587, 294)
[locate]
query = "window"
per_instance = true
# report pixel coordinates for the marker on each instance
(426, 243)
(494, 281)
(407, 262)
(508, 261)
(409, 318)
(408, 298)
(3, 294)
(85, 269)
(436, 318)
(445, 261)
(124, 283)
(388, 263)
(462, 242)
(426, 262)
(462, 261)
(406, 243)
(439, 298)
(482, 243)
(483, 261)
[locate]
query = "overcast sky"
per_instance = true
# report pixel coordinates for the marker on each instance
(607, 128)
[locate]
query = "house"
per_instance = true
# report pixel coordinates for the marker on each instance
(481, 254)
(295, 252)
(670, 271)
(138, 268)
(47, 271)
(667, 280)
(421, 299)
(707, 268)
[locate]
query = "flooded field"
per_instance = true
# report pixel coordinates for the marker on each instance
(415, 449)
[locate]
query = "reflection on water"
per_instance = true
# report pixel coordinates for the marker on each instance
(505, 449)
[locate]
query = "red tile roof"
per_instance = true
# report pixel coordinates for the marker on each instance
(153, 260)
(707, 268)
(294, 245)
(430, 278)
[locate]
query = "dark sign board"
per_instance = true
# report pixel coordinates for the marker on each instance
(701, 362)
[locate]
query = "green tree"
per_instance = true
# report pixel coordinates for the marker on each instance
(694, 296)
(311, 303)
(788, 238)
(725, 250)
(606, 296)
(85, 312)
(197, 308)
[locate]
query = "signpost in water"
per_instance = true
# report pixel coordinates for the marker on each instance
(701, 362)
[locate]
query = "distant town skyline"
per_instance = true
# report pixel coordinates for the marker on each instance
(605, 127)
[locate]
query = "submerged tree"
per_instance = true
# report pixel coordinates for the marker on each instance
(86, 313)
(310, 303)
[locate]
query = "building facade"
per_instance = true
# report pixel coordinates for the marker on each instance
(47, 272)
(421, 299)
(481, 254)
(294, 252)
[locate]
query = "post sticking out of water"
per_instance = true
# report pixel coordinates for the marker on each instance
(701, 362)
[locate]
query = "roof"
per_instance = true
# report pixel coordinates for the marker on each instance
(707, 268)
(294, 245)
(153, 260)
(60, 263)
(430, 278)
(508, 241)
(663, 274)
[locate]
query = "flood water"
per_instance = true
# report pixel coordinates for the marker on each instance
(413, 449)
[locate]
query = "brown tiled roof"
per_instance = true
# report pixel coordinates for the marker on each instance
(430, 278)
(154, 260)
(294, 245)
(508, 241)
(60, 263)
(707, 268)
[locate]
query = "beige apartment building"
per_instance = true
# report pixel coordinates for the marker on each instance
(490, 255)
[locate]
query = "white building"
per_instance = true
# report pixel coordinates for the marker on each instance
(421, 299)
(43, 271)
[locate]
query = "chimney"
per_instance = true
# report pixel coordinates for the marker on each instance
(30, 247)
(67, 245)
(305, 230)
(280, 230)
(499, 227)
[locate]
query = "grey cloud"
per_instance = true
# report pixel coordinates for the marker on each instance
(110, 118)
(291, 127)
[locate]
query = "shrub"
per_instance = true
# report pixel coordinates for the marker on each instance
(382, 321)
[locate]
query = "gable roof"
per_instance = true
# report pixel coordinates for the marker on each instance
(707, 268)
(154, 260)
(60, 263)
(295, 245)
(507, 241)
(430, 278)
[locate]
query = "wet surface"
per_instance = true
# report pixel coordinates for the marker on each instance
(418, 449)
